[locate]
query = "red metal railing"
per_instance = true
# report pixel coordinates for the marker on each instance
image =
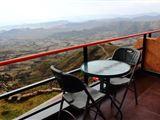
(41, 54)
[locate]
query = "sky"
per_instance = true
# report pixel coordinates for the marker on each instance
(34, 11)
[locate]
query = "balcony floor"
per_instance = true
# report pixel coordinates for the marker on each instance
(148, 107)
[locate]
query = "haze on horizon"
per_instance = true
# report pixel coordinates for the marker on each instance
(33, 11)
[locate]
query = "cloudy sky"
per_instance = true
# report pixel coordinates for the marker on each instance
(32, 11)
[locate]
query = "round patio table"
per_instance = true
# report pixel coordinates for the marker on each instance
(105, 68)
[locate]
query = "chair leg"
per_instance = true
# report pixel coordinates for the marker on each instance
(69, 113)
(114, 96)
(122, 101)
(96, 115)
(85, 114)
(100, 112)
(125, 93)
(135, 92)
(118, 108)
(86, 109)
(61, 105)
(97, 112)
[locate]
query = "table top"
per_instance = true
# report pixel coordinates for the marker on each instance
(105, 68)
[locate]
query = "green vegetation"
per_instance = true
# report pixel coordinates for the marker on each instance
(9, 110)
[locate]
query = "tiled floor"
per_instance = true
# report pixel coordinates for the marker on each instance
(148, 107)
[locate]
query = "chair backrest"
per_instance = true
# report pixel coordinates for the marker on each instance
(127, 55)
(68, 82)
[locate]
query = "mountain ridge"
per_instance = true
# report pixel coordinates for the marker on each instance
(50, 24)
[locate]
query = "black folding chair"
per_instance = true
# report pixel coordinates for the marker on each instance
(130, 56)
(77, 94)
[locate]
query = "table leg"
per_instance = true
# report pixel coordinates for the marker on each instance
(107, 85)
(101, 84)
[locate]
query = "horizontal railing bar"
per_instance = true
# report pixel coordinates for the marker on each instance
(153, 73)
(94, 84)
(7, 94)
(141, 48)
(41, 54)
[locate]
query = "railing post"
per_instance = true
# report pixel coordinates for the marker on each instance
(144, 50)
(85, 54)
(150, 35)
(85, 60)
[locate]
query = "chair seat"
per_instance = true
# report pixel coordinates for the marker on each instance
(119, 81)
(79, 99)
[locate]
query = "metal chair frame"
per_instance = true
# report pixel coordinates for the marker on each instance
(70, 85)
(132, 57)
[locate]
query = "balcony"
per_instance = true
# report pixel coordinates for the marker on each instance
(147, 80)
(148, 101)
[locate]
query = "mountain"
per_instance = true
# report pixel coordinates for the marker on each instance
(23, 41)
(61, 30)
(147, 17)
(83, 19)
(36, 25)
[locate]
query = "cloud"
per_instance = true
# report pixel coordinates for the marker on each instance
(25, 11)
